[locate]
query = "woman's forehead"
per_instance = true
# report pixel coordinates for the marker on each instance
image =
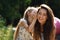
(43, 9)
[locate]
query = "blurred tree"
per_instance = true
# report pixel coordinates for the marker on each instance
(2, 21)
(55, 5)
(23, 4)
(36, 2)
(9, 9)
(13, 9)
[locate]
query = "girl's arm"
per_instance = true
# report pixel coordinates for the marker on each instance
(16, 32)
(22, 23)
(31, 26)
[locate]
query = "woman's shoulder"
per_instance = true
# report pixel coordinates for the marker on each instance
(57, 25)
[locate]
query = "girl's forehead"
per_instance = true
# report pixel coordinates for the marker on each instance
(32, 11)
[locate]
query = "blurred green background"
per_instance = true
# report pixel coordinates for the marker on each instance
(12, 10)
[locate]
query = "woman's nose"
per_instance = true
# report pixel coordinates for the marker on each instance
(41, 16)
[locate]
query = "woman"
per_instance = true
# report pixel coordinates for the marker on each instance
(44, 28)
(24, 26)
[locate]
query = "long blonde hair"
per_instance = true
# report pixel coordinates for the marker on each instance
(25, 16)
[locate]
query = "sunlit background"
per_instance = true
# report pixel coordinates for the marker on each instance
(12, 10)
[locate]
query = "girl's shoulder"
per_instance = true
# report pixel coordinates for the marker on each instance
(23, 33)
(23, 20)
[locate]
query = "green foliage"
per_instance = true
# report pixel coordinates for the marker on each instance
(55, 5)
(6, 33)
(14, 9)
(2, 21)
(11, 9)
(23, 5)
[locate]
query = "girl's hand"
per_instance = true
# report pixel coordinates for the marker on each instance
(34, 15)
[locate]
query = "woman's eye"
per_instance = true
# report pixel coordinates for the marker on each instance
(45, 14)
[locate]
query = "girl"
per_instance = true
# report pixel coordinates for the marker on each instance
(24, 27)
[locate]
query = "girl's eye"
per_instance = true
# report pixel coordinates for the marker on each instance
(39, 13)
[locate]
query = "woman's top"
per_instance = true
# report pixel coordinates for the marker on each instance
(57, 24)
(42, 37)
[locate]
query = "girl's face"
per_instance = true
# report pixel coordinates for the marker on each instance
(42, 16)
(31, 15)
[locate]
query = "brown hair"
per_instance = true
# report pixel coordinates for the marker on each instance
(48, 26)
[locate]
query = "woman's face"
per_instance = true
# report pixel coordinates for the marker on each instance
(31, 15)
(42, 16)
